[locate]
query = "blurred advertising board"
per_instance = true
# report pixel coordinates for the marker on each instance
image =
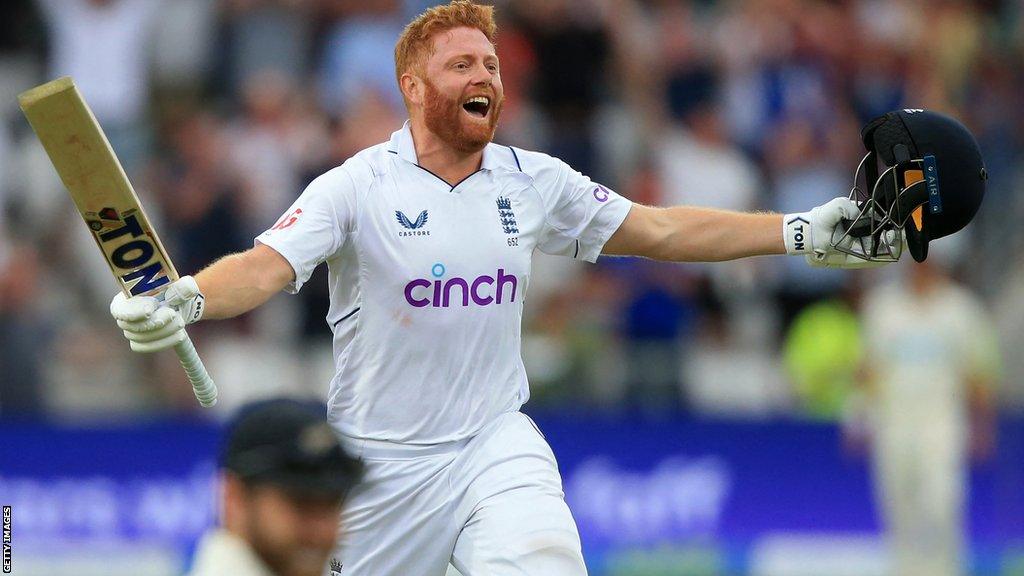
(670, 497)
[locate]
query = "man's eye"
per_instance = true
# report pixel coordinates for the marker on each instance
(461, 66)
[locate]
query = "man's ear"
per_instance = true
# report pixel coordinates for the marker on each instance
(235, 495)
(412, 88)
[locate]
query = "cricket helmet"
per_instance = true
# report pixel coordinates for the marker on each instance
(922, 175)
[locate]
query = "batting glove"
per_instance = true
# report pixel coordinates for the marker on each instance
(151, 324)
(810, 234)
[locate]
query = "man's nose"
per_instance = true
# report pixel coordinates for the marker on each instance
(481, 75)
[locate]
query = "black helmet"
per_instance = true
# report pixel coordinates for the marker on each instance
(923, 174)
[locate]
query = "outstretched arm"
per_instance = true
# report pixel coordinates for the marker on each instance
(240, 282)
(691, 234)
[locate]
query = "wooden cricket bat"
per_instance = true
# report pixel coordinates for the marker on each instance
(100, 188)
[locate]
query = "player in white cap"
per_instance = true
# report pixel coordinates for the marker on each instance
(428, 240)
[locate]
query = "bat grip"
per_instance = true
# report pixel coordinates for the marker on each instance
(202, 384)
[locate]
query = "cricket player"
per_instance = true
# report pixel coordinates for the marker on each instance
(284, 479)
(932, 360)
(428, 239)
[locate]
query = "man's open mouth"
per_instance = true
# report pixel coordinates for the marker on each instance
(478, 106)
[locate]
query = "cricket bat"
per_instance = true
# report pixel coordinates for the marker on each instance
(100, 189)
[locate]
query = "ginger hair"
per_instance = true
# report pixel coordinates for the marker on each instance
(416, 44)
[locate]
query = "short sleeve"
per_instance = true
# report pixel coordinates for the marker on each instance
(316, 226)
(580, 214)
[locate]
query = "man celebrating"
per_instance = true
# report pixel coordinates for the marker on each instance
(285, 477)
(428, 239)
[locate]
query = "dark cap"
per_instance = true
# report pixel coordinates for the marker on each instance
(288, 443)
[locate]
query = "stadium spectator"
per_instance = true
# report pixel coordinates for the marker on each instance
(358, 59)
(263, 35)
(104, 46)
(572, 51)
(822, 351)
(23, 337)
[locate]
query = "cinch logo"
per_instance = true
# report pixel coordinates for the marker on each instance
(482, 290)
(601, 193)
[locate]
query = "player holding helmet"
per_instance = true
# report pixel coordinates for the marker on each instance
(428, 239)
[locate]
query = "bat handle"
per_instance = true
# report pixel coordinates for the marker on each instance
(202, 384)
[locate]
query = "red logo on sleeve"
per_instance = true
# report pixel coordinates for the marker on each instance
(288, 219)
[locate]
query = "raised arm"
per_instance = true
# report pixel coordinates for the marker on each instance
(283, 258)
(230, 286)
(240, 282)
(690, 234)
(584, 219)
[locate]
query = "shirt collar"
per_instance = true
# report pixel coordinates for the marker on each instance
(402, 144)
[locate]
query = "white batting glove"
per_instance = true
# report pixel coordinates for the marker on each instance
(810, 234)
(151, 324)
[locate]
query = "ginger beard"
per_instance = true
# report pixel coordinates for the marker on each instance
(446, 118)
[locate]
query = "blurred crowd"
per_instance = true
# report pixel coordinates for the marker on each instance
(222, 111)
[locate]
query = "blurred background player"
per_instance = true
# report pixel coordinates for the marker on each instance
(931, 360)
(284, 479)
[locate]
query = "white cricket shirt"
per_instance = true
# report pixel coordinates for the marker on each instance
(923, 349)
(428, 280)
(222, 552)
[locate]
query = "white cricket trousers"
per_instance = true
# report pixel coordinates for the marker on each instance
(922, 488)
(492, 505)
